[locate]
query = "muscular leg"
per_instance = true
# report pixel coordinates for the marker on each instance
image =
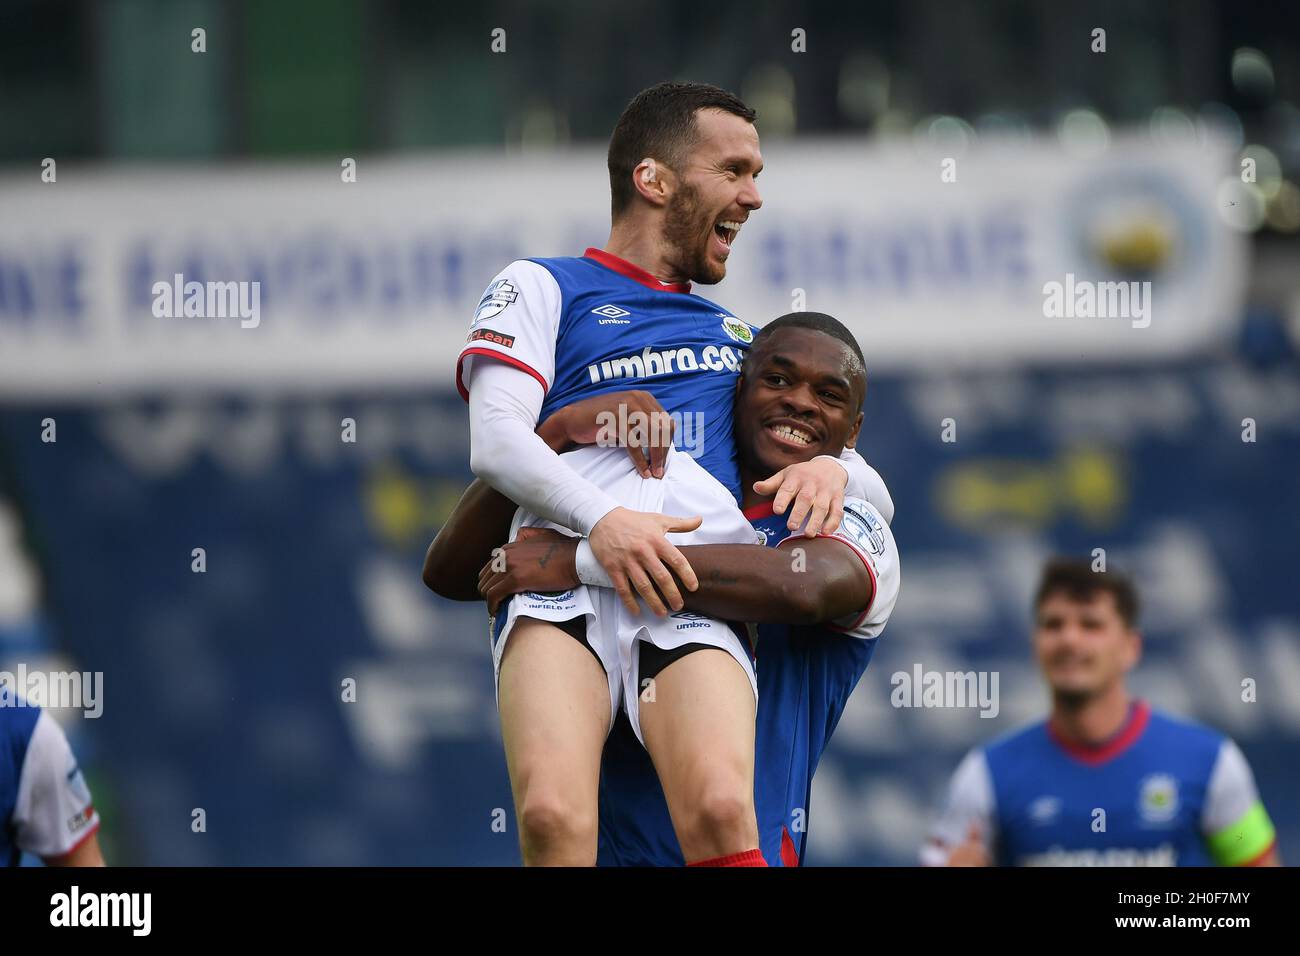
(700, 733)
(554, 702)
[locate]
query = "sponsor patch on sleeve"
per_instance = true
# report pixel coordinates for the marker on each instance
(498, 295)
(78, 821)
(492, 336)
(863, 529)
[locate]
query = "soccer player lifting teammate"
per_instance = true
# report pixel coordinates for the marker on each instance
(683, 162)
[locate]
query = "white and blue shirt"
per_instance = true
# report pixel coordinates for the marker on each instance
(1160, 792)
(45, 806)
(595, 324)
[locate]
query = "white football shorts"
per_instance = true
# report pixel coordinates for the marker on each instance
(685, 490)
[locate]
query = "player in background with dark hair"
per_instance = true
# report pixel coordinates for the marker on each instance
(1105, 780)
(819, 609)
(45, 806)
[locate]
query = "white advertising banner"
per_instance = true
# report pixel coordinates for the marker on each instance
(305, 281)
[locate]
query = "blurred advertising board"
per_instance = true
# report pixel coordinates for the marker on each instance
(302, 280)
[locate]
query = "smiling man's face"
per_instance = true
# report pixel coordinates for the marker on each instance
(1083, 644)
(715, 193)
(799, 395)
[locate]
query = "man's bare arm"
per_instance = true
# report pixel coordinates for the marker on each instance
(739, 582)
(478, 524)
(752, 582)
(87, 853)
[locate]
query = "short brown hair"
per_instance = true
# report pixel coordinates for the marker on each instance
(1079, 582)
(660, 123)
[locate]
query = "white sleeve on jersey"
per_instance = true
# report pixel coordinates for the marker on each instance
(517, 322)
(53, 812)
(506, 452)
(865, 482)
(867, 533)
(970, 800)
(509, 359)
(1231, 790)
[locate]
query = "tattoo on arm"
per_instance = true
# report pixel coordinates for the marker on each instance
(717, 577)
(550, 553)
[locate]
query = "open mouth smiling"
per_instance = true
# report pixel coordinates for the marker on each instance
(792, 433)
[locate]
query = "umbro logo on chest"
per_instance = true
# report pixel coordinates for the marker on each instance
(612, 315)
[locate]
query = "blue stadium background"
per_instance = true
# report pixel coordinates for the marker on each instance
(223, 690)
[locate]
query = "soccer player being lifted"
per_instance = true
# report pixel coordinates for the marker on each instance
(683, 162)
(1105, 780)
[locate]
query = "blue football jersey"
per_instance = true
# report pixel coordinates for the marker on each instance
(16, 726)
(45, 807)
(805, 677)
(1161, 792)
(594, 324)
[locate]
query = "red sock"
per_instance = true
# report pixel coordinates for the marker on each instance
(748, 858)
